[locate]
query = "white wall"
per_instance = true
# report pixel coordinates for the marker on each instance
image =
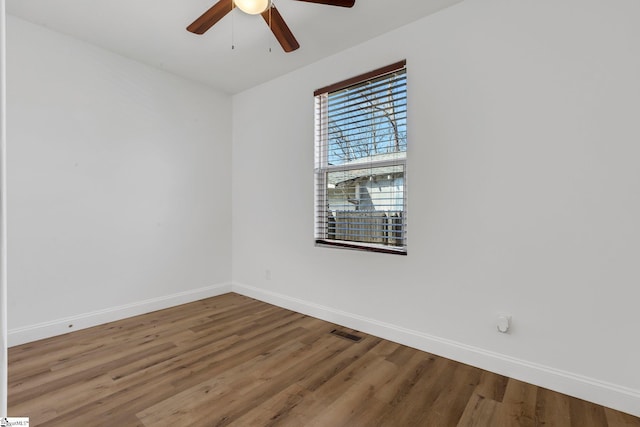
(523, 194)
(119, 185)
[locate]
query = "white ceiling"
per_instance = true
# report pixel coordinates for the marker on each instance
(153, 32)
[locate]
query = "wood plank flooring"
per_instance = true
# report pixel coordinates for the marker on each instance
(235, 361)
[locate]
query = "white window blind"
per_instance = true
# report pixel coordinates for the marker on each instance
(360, 162)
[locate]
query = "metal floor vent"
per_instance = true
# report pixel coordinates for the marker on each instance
(346, 335)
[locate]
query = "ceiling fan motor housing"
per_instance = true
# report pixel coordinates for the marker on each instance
(253, 7)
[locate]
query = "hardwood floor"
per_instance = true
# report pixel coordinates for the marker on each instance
(235, 361)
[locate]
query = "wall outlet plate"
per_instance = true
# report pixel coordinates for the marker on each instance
(504, 323)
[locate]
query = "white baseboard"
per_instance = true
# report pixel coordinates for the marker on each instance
(611, 395)
(39, 331)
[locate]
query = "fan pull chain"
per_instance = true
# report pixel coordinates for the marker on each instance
(233, 26)
(270, 40)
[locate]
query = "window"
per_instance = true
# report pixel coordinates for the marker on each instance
(360, 162)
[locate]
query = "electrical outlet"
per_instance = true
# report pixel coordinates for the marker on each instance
(503, 323)
(267, 274)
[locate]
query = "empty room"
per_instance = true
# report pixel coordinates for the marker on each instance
(320, 212)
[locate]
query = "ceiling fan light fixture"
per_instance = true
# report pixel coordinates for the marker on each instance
(253, 7)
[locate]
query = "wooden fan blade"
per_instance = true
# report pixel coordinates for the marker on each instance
(211, 16)
(280, 29)
(342, 3)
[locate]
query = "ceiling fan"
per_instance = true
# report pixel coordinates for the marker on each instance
(265, 8)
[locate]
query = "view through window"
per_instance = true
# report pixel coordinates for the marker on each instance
(360, 162)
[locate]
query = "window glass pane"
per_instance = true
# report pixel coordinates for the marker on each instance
(367, 120)
(366, 205)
